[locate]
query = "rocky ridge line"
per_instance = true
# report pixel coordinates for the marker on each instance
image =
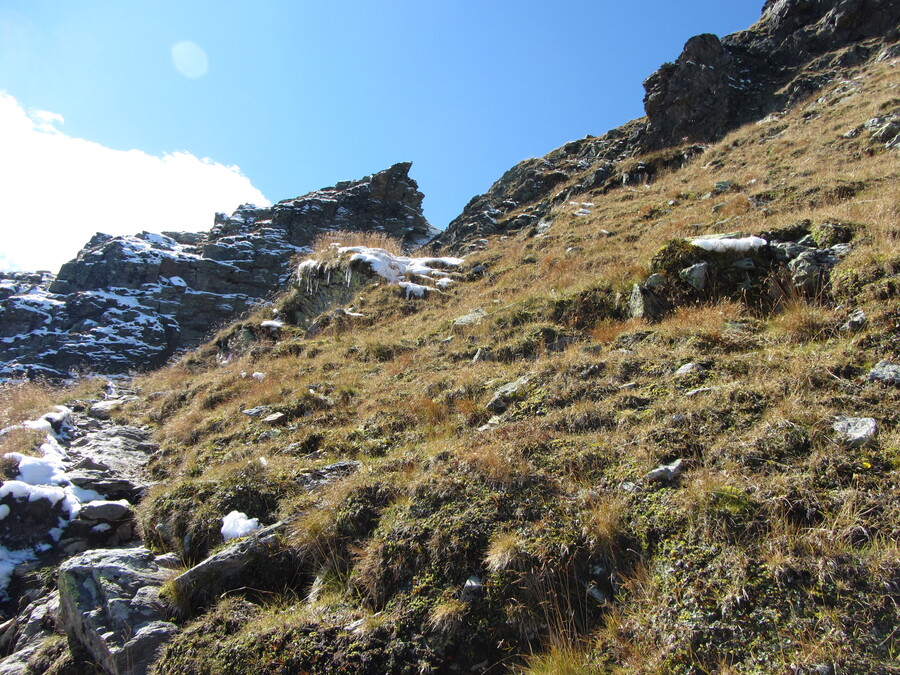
(129, 302)
(715, 85)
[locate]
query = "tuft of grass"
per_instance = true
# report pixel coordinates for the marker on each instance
(447, 616)
(325, 245)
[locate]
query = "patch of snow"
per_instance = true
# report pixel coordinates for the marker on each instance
(414, 290)
(272, 323)
(720, 245)
(9, 560)
(395, 269)
(237, 524)
(259, 377)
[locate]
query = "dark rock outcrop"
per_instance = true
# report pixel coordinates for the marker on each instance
(797, 47)
(524, 195)
(129, 302)
(714, 86)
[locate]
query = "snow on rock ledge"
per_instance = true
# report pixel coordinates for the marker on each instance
(395, 269)
(722, 243)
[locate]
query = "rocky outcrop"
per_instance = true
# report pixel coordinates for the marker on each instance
(109, 603)
(714, 86)
(523, 196)
(797, 47)
(130, 302)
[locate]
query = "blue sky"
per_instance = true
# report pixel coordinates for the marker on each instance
(300, 95)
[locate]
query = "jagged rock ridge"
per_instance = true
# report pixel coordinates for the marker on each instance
(713, 87)
(130, 302)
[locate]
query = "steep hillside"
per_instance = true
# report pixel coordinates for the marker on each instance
(647, 424)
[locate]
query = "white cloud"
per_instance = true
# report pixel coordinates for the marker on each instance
(56, 191)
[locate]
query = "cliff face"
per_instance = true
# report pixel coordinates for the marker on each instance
(713, 87)
(797, 47)
(129, 302)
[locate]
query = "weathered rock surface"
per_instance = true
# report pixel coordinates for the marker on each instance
(794, 49)
(855, 431)
(109, 603)
(508, 394)
(128, 303)
(885, 372)
(254, 562)
(27, 632)
(523, 196)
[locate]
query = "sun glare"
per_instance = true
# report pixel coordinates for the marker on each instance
(189, 59)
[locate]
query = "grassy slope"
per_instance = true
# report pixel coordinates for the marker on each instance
(777, 548)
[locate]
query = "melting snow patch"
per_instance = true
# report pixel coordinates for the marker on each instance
(271, 323)
(721, 244)
(395, 269)
(237, 524)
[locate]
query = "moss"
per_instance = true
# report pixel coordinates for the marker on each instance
(187, 517)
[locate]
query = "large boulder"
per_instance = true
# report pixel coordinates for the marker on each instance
(109, 603)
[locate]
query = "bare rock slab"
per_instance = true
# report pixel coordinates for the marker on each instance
(109, 602)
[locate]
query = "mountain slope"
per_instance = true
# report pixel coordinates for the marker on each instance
(647, 426)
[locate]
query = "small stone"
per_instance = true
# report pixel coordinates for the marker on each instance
(695, 275)
(744, 264)
(654, 281)
(102, 410)
(723, 186)
(855, 431)
(644, 304)
(507, 395)
(886, 373)
(699, 390)
(258, 411)
(472, 589)
(473, 318)
(590, 372)
(275, 418)
(105, 510)
(688, 368)
(598, 594)
(665, 473)
(856, 321)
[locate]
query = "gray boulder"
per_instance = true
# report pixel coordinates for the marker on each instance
(109, 603)
(855, 431)
(25, 634)
(643, 304)
(508, 394)
(665, 473)
(885, 372)
(695, 275)
(256, 561)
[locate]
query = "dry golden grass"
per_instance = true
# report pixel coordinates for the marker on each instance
(325, 244)
(407, 403)
(601, 523)
(22, 401)
(447, 616)
(503, 551)
(800, 320)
